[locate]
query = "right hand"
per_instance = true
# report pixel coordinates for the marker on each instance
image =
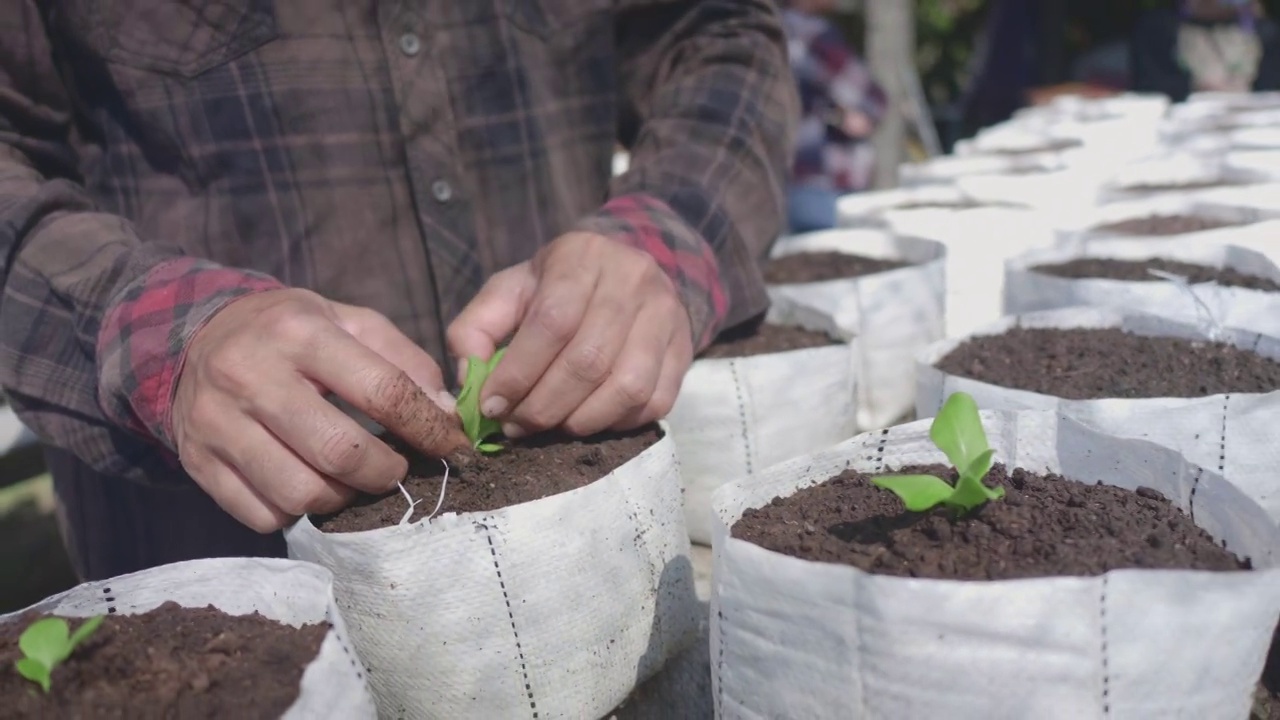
(254, 430)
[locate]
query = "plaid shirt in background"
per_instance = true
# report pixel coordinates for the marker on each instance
(831, 80)
(161, 158)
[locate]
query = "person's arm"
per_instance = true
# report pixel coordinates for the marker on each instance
(710, 106)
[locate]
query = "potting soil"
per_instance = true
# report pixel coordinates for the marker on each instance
(807, 267)
(528, 469)
(1137, 271)
(1090, 364)
(1164, 225)
(1045, 526)
(171, 662)
(768, 338)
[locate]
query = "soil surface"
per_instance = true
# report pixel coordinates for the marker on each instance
(807, 267)
(528, 469)
(1136, 270)
(1110, 363)
(763, 340)
(1157, 225)
(1045, 526)
(172, 662)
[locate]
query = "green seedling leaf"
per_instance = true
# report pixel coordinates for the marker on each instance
(46, 643)
(970, 491)
(918, 492)
(957, 431)
(478, 427)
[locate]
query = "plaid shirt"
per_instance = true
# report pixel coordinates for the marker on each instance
(832, 80)
(159, 159)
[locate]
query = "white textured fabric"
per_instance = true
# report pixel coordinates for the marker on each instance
(949, 168)
(1204, 304)
(799, 639)
(738, 415)
(1083, 227)
(866, 209)
(893, 314)
(1232, 435)
(557, 607)
(289, 592)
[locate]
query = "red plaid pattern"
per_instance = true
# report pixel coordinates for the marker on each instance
(143, 338)
(649, 224)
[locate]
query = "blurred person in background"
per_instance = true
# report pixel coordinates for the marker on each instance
(841, 105)
(1206, 45)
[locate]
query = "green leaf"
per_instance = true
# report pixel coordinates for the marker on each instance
(34, 671)
(488, 448)
(45, 641)
(957, 431)
(918, 492)
(474, 423)
(971, 492)
(82, 633)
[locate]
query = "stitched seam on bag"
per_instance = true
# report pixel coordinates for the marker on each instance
(742, 413)
(524, 671)
(720, 665)
(1222, 441)
(884, 438)
(1195, 485)
(1106, 673)
(641, 540)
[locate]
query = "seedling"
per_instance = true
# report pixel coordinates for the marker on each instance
(957, 431)
(478, 427)
(47, 643)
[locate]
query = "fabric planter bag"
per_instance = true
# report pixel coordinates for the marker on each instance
(556, 607)
(803, 639)
(1231, 434)
(293, 593)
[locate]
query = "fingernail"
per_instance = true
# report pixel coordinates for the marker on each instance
(513, 431)
(494, 406)
(446, 401)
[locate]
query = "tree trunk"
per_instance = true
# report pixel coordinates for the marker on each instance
(891, 40)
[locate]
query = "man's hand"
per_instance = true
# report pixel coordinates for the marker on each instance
(601, 341)
(254, 430)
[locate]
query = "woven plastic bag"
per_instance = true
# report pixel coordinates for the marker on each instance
(799, 639)
(1232, 435)
(1209, 304)
(293, 593)
(738, 415)
(893, 314)
(556, 607)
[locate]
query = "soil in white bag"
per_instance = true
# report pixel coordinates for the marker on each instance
(886, 290)
(1102, 577)
(226, 638)
(738, 412)
(1209, 393)
(549, 578)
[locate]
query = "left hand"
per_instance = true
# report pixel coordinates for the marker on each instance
(602, 340)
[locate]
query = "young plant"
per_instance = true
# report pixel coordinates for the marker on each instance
(478, 427)
(47, 643)
(957, 431)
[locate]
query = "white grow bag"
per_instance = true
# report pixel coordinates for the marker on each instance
(1207, 304)
(867, 209)
(1086, 227)
(1232, 435)
(735, 416)
(893, 314)
(800, 639)
(557, 607)
(293, 593)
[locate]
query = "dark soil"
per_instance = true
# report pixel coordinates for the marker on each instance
(1045, 526)
(1136, 270)
(1110, 363)
(807, 267)
(525, 470)
(1157, 225)
(763, 340)
(172, 662)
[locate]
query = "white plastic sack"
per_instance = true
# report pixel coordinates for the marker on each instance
(866, 209)
(893, 314)
(557, 607)
(1232, 435)
(1027, 290)
(1086, 227)
(948, 168)
(293, 593)
(799, 639)
(738, 415)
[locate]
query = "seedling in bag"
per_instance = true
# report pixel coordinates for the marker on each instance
(47, 643)
(478, 427)
(957, 431)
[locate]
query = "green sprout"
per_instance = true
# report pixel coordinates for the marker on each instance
(478, 427)
(957, 431)
(47, 643)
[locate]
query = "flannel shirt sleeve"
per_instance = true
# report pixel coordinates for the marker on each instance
(91, 315)
(708, 114)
